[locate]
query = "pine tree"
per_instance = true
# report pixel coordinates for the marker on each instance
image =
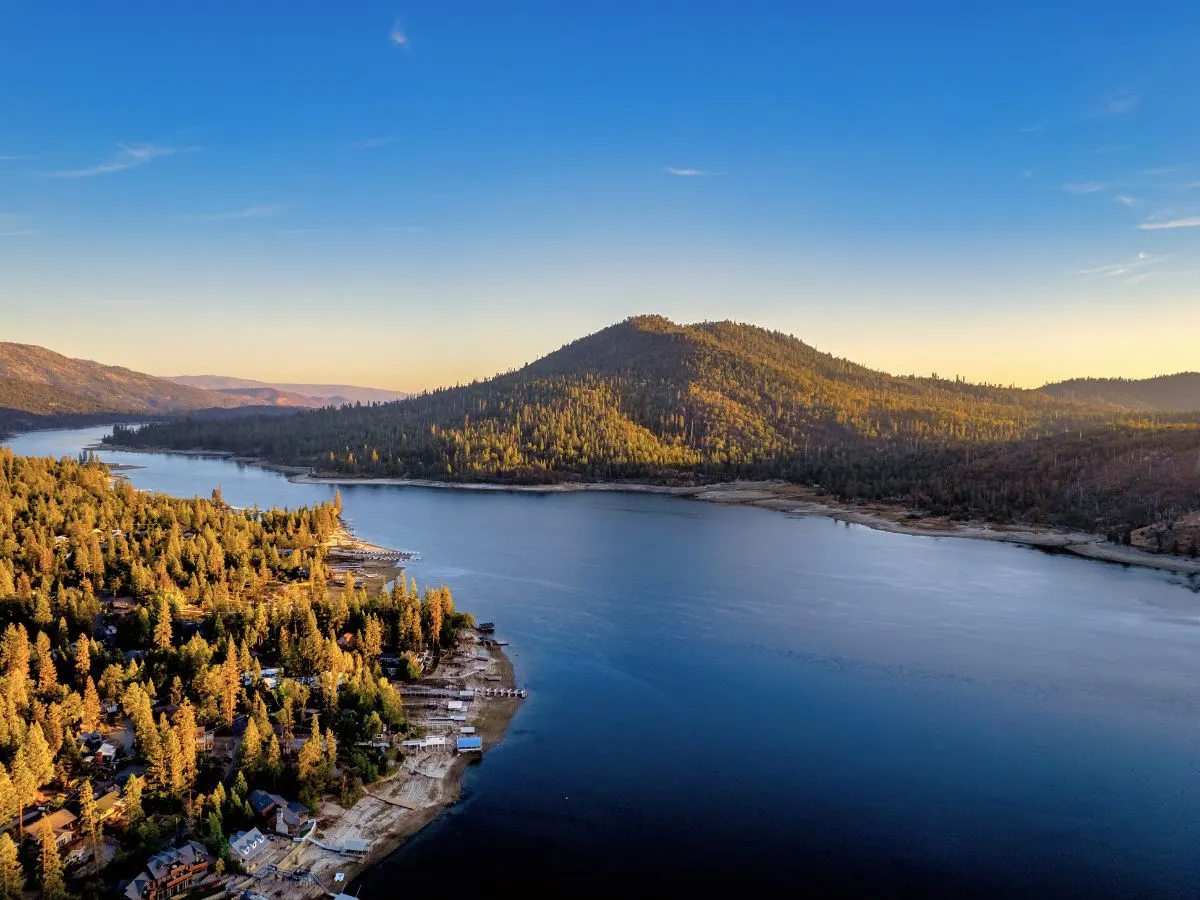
(8, 796)
(47, 674)
(89, 820)
(273, 759)
(51, 867)
(12, 879)
(162, 625)
(231, 683)
(16, 663)
(330, 748)
(156, 757)
(83, 661)
(24, 784)
(42, 614)
(186, 728)
(310, 763)
(41, 761)
(133, 799)
(251, 749)
(91, 707)
(173, 756)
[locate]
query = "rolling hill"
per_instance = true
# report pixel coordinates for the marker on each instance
(312, 395)
(651, 400)
(1166, 393)
(69, 385)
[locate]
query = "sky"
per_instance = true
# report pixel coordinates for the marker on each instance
(411, 194)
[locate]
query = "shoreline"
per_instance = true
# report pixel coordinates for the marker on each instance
(776, 496)
(399, 805)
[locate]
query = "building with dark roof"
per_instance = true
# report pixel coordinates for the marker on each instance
(171, 872)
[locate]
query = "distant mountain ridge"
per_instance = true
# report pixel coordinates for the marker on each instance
(1166, 393)
(292, 394)
(648, 399)
(57, 384)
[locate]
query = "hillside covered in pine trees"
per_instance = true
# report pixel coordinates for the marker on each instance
(650, 400)
(1166, 393)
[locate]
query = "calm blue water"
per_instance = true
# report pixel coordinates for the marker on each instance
(720, 692)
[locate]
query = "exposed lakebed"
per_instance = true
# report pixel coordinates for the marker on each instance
(726, 691)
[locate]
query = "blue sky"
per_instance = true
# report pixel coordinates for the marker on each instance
(410, 194)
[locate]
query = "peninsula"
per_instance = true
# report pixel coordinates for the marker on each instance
(222, 699)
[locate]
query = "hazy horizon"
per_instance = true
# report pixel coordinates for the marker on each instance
(407, 196)
(482, 376)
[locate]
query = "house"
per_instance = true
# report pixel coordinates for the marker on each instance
(246, 846)
(107, 754)
(110, 805)
(270, 678)
(285, 816)
(171, 872)
(262, 803)
(290, 818)
(205, 739)
(62, 823)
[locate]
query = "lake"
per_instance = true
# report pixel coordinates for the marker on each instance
(729, 693)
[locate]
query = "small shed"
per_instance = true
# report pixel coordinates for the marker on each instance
(469, 743)
(454, 705)
(355, 847)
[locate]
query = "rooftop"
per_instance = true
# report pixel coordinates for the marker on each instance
(248, 844)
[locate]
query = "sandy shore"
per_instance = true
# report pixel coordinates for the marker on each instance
(413, 795)
(788, 498)
(797, 500)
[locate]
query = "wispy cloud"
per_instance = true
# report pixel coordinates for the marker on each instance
(1124, 199)
(13, 157)
(1026, 174)
(688, 173)
(14, 225)
(1122, 102)
(1140, 262)
(250, 212)
(1030, 129)
(397, 35)
(405, 229)
(1162, 224)
(1086, 187)
(1158, 170)
(373, 143)
(129, 156)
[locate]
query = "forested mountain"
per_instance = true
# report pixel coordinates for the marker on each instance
(274, 397)
(85, 386)
(648, 399)
(316, 394)
(1166, 393)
